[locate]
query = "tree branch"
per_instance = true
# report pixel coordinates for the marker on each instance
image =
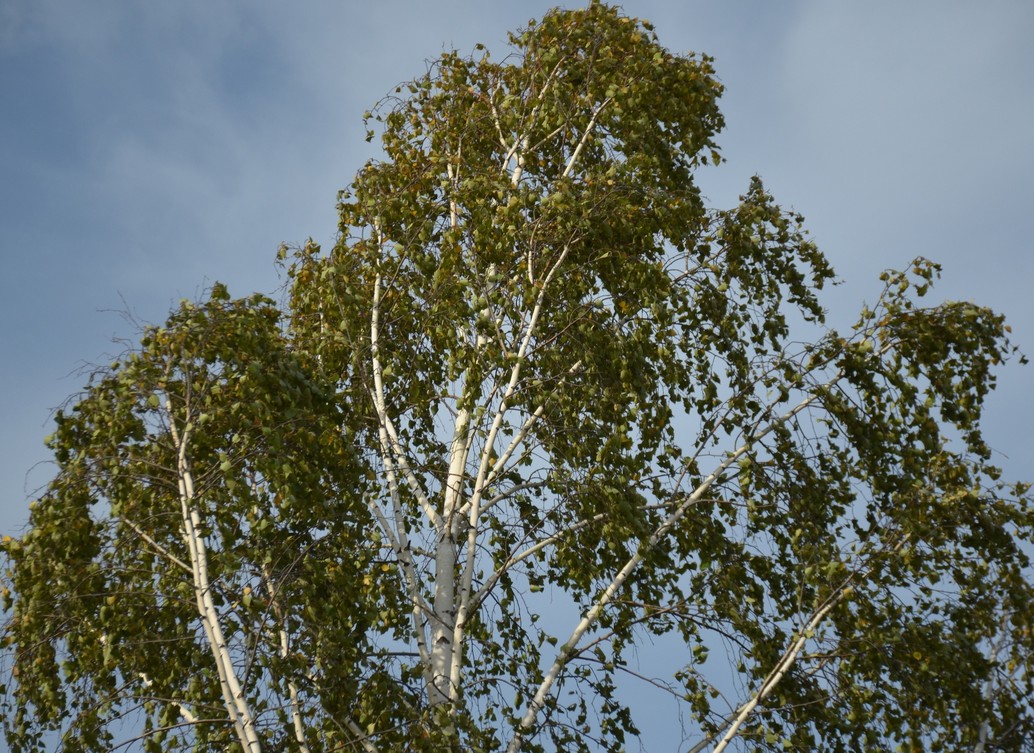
(467, 573)
(398, 536)
(156, 546)
(233, 695)
(537, 703)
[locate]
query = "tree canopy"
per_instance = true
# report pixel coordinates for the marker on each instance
(539, 406)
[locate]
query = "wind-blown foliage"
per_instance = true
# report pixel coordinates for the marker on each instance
(535, 370)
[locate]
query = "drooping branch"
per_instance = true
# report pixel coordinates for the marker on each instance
(782, 667)
(732, 724)
(569, 648)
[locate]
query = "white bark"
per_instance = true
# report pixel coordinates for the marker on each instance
(570, 647)
(443, 646)
(483, 476)
(285, 649)
(585, 137)
(233, 695)
(735, 721)
(521, 143)
(161, 550)
(397, 535)
(984, 731)
(780, 670)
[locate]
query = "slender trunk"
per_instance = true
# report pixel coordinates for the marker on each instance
(233, 695)
(443, 645)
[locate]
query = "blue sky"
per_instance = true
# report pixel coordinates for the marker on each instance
(149, 149)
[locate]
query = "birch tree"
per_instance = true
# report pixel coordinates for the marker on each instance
(538, 408)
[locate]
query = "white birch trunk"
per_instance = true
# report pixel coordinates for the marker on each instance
(238, 712)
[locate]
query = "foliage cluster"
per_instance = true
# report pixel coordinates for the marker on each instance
(536, 369)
